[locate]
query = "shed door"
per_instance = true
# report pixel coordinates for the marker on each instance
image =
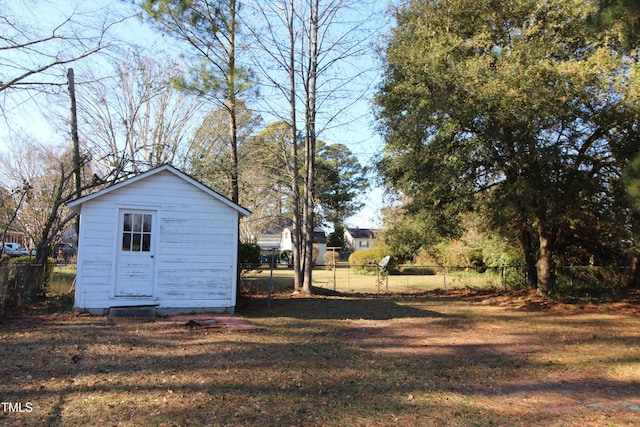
(136, 250)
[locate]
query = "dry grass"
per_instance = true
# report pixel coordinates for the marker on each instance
(456, 359)
(344, 279)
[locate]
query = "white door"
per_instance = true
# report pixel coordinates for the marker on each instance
(136, 250)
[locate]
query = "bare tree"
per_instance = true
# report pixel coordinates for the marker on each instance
(36, 169)
(275, 53)
(308, 54)
(265, 180)
(34, 55)
(136, 119)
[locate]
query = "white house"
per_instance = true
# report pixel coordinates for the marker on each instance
(360, 238)
(280, 239)
(158, 240)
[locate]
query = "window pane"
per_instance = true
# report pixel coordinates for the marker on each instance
(146, 226)
(135, 246)
(126, 241)
(146, 242)
(137, 222)
(127, 222)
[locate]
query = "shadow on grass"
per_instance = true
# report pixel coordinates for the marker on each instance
(191, 380)
(333, 306)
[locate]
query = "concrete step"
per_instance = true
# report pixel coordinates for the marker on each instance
(139, 311)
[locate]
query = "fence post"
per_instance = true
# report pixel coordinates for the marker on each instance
(444, 277)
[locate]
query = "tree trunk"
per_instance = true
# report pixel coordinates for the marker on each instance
(232, 105)
(77, 167)
(296, 232)
(526, 241)
(634, 280)
(310, 140)
(545, 265)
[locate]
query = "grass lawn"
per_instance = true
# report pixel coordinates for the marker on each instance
(430, 359)
(346, 280)
(63, 276)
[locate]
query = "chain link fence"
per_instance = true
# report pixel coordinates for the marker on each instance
(578, 281)
(593, 281)
(21, 283)
(412, 278)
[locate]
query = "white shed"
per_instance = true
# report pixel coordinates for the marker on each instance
(158, 240)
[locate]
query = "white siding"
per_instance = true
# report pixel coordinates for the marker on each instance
(196, 245)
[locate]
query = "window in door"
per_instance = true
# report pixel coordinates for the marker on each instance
(136, 232)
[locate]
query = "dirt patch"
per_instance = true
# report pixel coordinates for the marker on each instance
(532, 302)
(203, 323)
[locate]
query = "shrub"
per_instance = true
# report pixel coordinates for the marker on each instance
(315, 251)
(336, 237)
(415, 269)
(286, 256)
(249, 256)
(331, 258)
(590, 282)
(24, 282)
(366, 260)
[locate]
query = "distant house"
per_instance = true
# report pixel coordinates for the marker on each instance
(158, 240)
(15, 235)
(279, 238)
(360, 238)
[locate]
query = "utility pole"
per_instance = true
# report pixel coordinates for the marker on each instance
(74, 139)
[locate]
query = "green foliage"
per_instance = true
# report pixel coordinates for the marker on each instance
(415, 269)
(620, 20)
(367, 260)
(631, 177)
(335, 239)
(207, 27)
(286, 256)
(340, 182)
(210, 31)
(522, 113)
(249, 256)
(210, 161)
(476, 247)
(591, 283)
(405, 233)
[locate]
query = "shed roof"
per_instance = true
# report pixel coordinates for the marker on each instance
(77, 202)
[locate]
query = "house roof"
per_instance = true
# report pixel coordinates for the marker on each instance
(168, 168)
(278, 224)
(363, 233)
(319, 235)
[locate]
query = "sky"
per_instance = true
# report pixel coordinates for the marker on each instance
(25, 114)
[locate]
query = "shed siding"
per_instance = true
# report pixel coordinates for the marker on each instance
(195, 248)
